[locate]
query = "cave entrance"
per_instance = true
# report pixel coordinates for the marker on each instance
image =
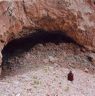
(19, 46)
(38, 37)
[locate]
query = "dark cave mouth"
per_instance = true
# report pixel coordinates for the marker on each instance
(21, 45)
(38, 37)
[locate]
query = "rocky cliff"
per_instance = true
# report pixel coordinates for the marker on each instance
(76, 18)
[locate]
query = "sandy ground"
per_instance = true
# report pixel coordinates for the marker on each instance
(43, 70)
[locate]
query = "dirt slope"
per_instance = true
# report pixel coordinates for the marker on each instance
(43, 70)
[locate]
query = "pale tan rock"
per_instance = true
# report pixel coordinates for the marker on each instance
(75, 18)
(91, 58)
(52, 59)
(46, 61)
(86, 70)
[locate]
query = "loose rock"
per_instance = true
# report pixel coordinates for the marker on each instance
(52, 59)
(86, 70)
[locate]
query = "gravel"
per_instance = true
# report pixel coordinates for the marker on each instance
(43, 71)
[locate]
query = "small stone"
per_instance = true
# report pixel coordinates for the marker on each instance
(40, 45)
(45, 60)
(72, 65)
(28, 55)
(18, 94)
(52, 59)
(91, 58)
(56, 65)
(83, 49)
(66, 88)
(86, 70)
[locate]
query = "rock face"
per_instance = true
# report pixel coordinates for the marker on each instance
(76, 18)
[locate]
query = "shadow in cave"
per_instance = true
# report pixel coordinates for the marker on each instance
(18, 46)
(38, 37)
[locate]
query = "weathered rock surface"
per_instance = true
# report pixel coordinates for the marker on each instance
(74, 17)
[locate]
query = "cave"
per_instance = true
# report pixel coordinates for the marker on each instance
(26, 43)
(39, 37)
